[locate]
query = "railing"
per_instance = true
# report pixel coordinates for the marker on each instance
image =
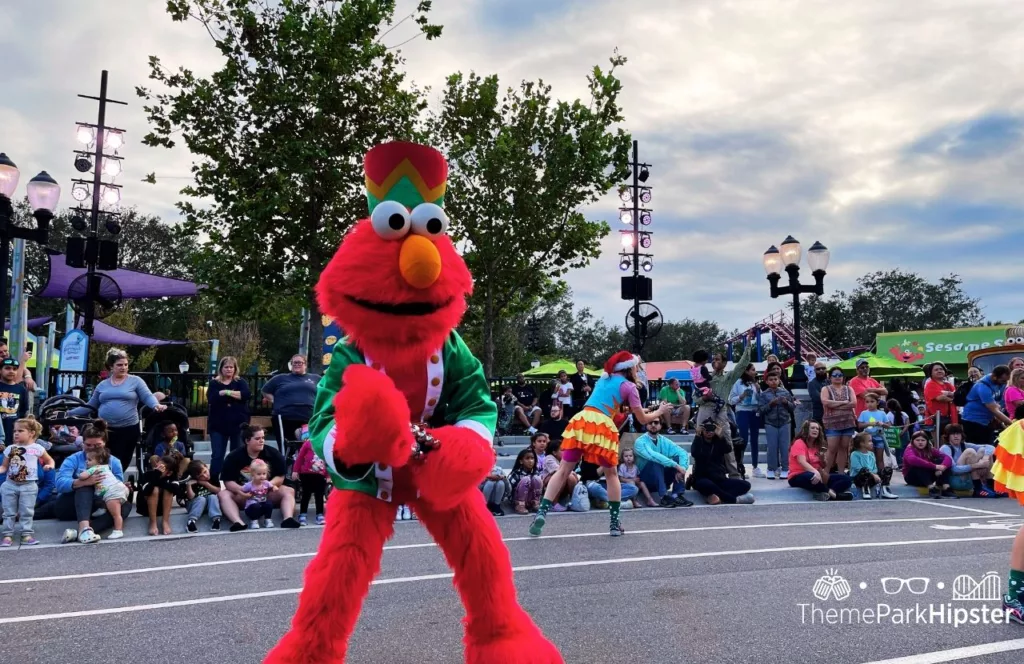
(188, 389)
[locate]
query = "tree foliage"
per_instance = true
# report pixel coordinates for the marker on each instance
(522, 165)
(889, 301)
(278, 133)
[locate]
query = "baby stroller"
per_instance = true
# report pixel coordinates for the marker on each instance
(64, 410)
(153, 423)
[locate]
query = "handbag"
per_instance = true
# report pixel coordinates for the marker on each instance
(580, 501)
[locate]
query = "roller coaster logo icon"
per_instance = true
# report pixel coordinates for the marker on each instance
(986, 589)
(831, 586)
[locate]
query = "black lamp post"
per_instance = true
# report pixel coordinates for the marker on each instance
(789, 259)
(43, 193)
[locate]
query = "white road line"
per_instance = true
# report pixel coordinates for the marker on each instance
(956, 654)
(426, 545)
(521, 568)
(943, 503)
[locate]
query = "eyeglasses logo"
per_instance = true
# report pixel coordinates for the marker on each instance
(892, 585)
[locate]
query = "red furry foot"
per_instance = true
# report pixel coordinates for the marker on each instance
(527, 647)
(337, 580)
(372, 417)
(456, 468)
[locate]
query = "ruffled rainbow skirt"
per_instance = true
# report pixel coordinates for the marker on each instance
(1008, 469)
(595, 435)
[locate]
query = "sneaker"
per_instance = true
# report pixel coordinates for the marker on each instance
(28, 540)
(70, 535)
(616, 529)
(771, 474)
(268, 523)
(821, 495)
(666, 501)
(866, 493)
(887, 494)
(496, 510)
(1014, 609)
(302, 519)
(559, 507)
(115, 534)
(745, 499)
(99, 511)
(238, 527)
(406, 513)
(531, 430)
(599, 504)
(934, 492)
(290, 522)
(254, 524)
(320, 520)
(216, 524)
(191, 526)
(784, 475)
(844, 496)
(7, 542)
(681, 501)
(671, 432)
(87, 536)
(537, 525)
(758, 473)
(949, 493)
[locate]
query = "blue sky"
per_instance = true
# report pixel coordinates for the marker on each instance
(891, 132)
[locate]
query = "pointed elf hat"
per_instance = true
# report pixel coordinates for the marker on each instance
(405, 172)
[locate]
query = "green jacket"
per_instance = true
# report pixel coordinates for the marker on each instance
(721, 384)
(461, 397)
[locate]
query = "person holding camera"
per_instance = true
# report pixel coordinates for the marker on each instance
(710, 476)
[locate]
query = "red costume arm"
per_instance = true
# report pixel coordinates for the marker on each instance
(448, 473)
(372, 419)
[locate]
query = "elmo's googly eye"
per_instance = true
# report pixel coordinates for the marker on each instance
(390, 220)
(429, 220)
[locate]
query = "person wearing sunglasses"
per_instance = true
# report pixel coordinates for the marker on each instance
(838, 404)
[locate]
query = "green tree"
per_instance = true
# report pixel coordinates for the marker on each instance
(278, 134)
(521, 167)
(890, 301)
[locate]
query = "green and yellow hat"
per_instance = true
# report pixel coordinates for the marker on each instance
(408, 173)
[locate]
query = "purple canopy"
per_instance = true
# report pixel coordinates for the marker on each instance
(32, 322)
(108, 334)
(134, 285)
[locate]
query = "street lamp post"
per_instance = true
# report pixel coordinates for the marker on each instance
(789, 259)
(43, 193)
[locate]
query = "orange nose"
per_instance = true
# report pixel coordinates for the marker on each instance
(419, 262)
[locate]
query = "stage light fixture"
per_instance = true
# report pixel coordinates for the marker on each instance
(624, 195)
(625, 263)
(645, 218)
(78, 223)
(645, 196)
(627, 240)
(112, 167)
(625, 216)
(111, 195)
(648, 264)
(644, 174)
(83, 164)
(80, 191)
(645, 241)
(113, 140)
(85, 135)
(112, 226)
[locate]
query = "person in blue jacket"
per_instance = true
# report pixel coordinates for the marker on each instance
(77, 499)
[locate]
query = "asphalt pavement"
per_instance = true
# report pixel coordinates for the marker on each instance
(701, 584)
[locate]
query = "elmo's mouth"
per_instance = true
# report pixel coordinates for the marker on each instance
(400, 308)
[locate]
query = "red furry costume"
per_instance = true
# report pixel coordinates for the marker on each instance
(398, 289)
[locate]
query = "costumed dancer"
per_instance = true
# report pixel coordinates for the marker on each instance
(1008, 474)
(591, 435)
(404, 415)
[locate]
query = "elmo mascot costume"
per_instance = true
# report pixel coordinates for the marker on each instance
(404, 415)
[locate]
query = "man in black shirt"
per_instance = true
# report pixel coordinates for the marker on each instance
(235, 473)
(555, 426)
(527, 411)
(710, 475)
(582, 386)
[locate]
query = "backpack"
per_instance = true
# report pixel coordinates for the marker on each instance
(961, 392)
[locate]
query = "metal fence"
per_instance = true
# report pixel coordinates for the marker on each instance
(188, 389)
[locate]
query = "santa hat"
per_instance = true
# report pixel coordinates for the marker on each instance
(620, 362)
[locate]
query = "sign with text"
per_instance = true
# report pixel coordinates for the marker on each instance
(947, 346)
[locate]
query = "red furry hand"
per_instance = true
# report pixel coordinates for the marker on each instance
(372, 417)
(455, 468)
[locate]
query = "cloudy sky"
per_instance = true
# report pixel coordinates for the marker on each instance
(891, 132)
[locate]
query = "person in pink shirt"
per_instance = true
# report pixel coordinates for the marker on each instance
(311, 471)
(925, 466)
(1014, 395)
(863, 383)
